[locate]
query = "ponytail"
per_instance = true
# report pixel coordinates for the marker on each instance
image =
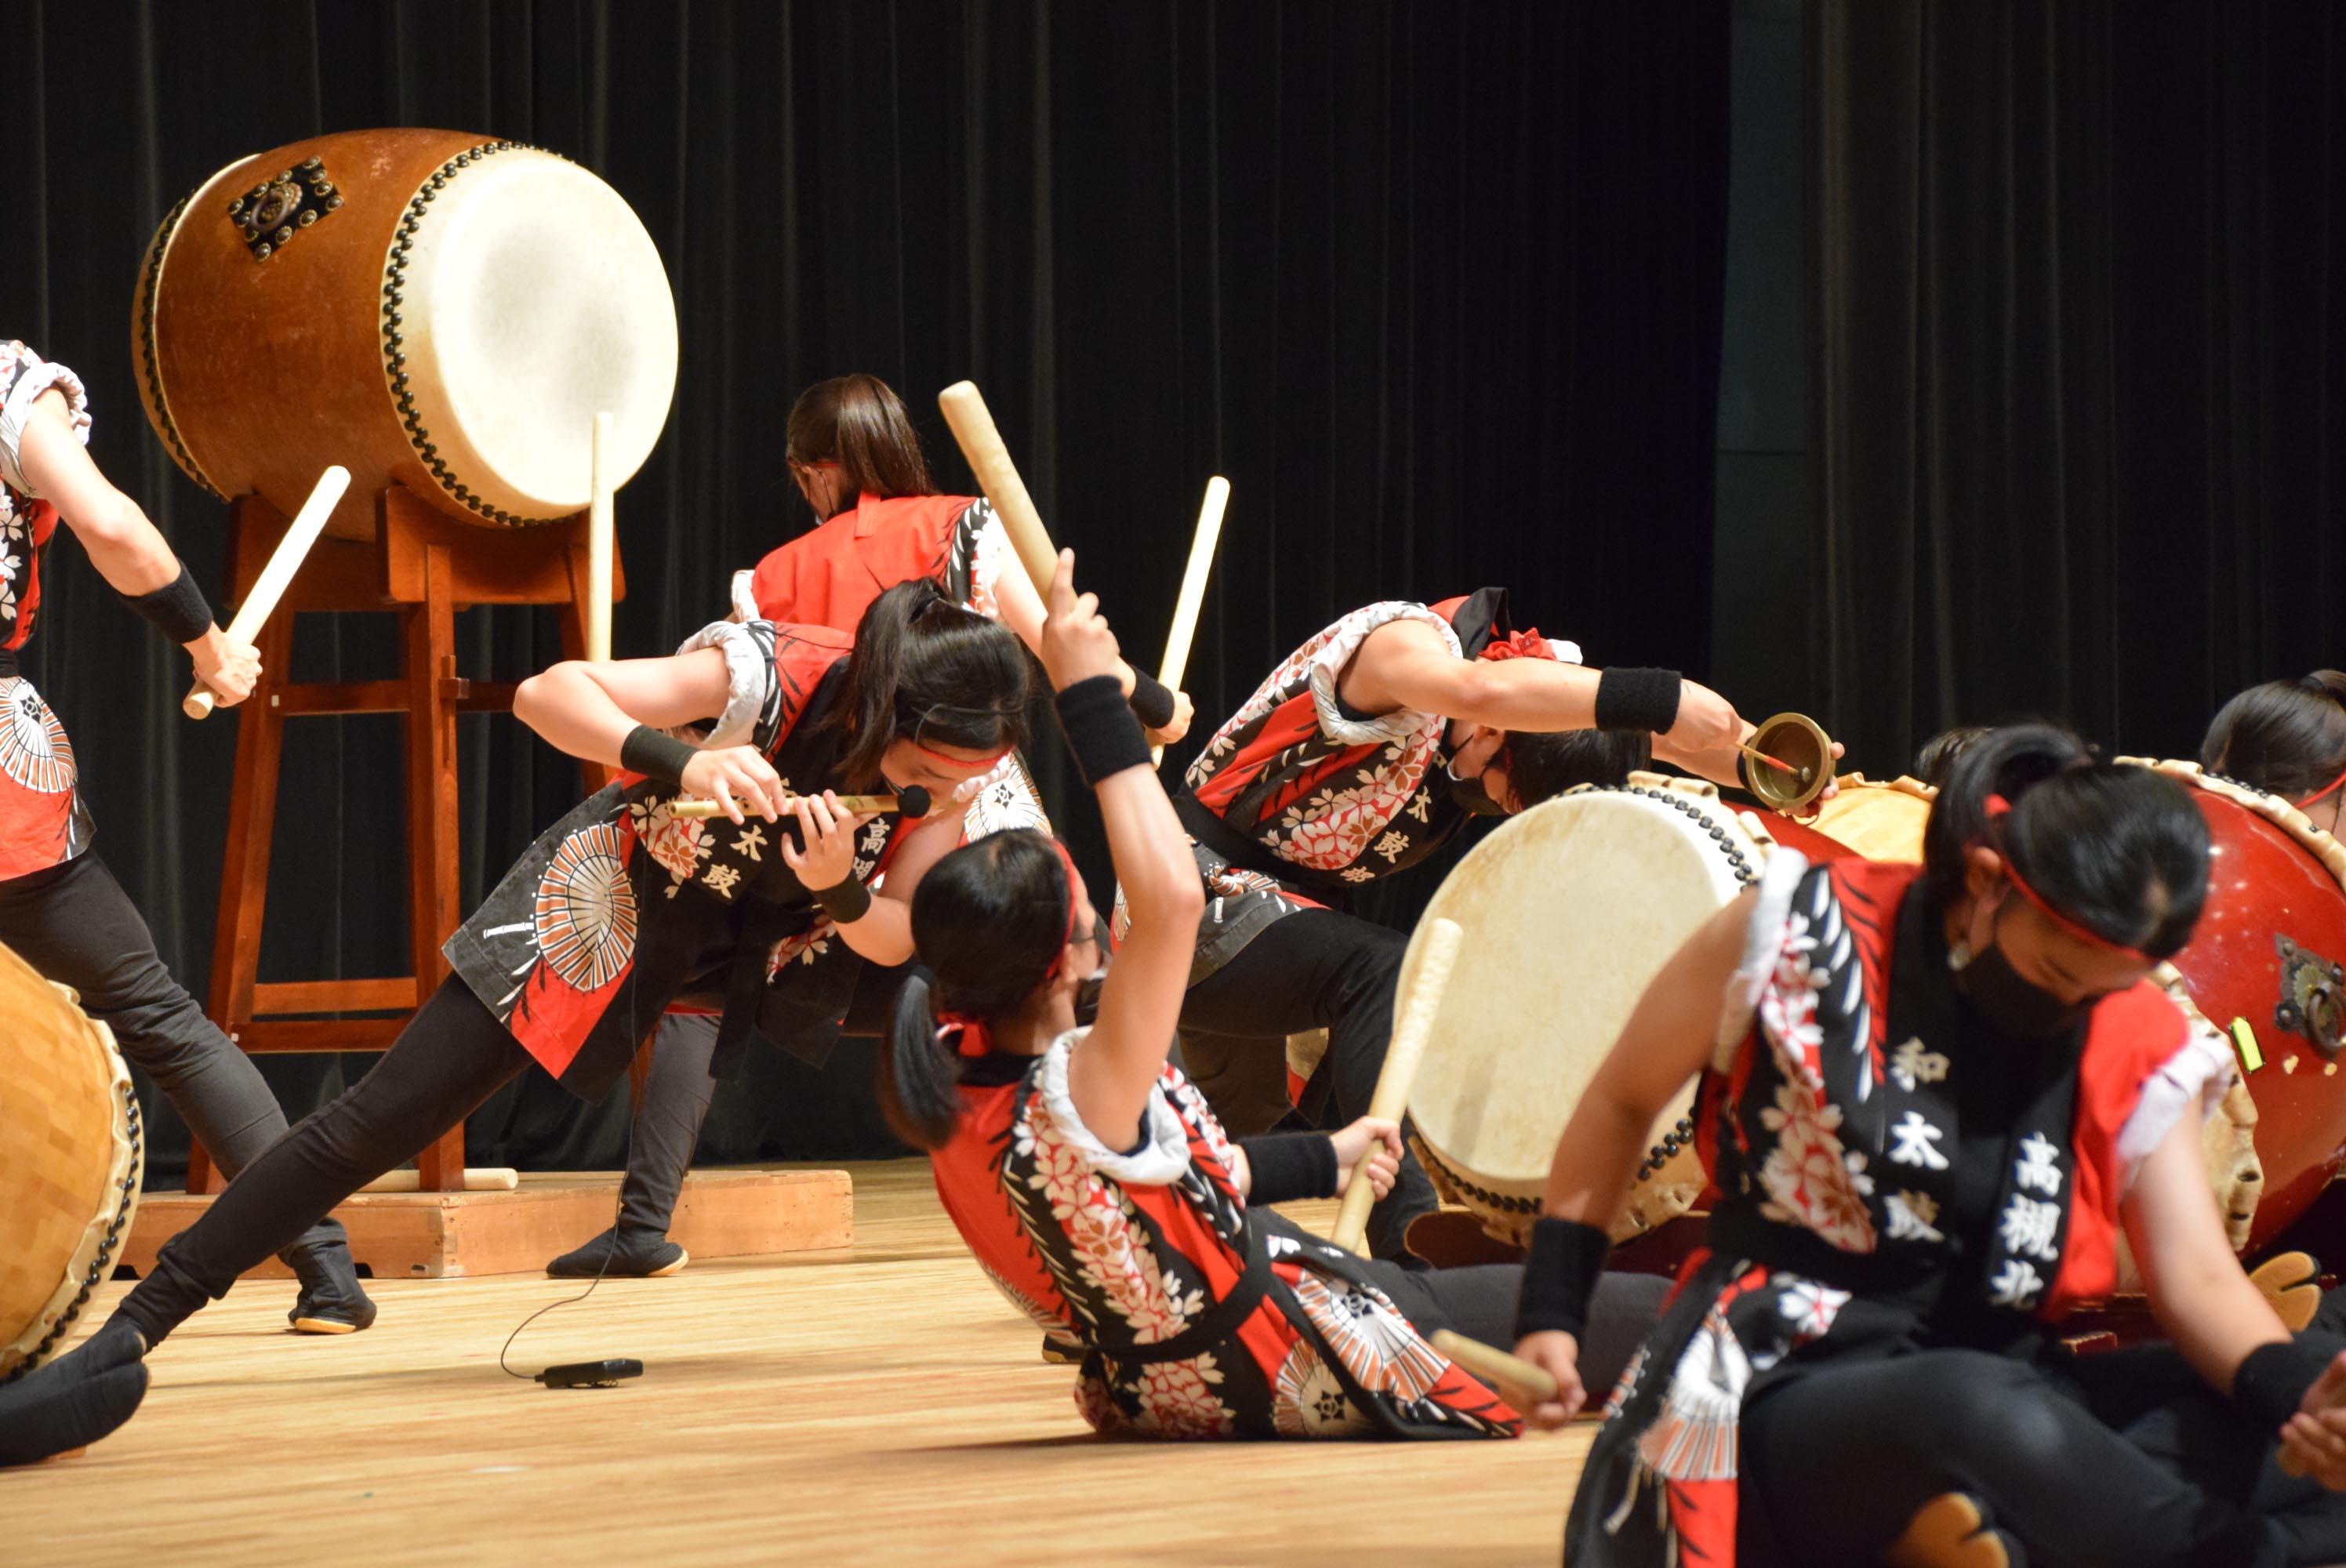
(990, 921)
(919, 1081)
(2285, 736)
(929, 669)
(859, 423)
(2119, 850)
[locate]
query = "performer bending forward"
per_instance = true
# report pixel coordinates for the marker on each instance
(1095, 1187)
(621, 906)
(60, 908)
(1358, 758)
(857, 461)
(2287, 738)
(1936, 1095)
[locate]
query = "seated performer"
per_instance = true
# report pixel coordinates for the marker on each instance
(1363, 754)
(857, 461)
(60, 908)
(1093, 1184)
(1936, 1095)
(2287, 738)
(622, 906)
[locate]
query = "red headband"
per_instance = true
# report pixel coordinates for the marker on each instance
(959, 761)
(2318, 794)
(1525, 644)
(1998, 807)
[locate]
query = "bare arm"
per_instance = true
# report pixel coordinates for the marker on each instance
(1667, 1040)
(2200, 1296)
(1109, 1079)
(128, 550)
(588, 709)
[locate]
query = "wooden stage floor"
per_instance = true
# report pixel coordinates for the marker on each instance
(878, 1404)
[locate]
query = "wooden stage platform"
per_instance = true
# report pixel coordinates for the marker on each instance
(880, 1403)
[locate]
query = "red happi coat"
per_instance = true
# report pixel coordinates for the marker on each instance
(1829, 1123)
(621, 906)
(829, 575)
(43, 821)
(1199, 1317)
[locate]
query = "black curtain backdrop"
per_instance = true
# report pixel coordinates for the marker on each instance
(1436, 286)
(2078, 380)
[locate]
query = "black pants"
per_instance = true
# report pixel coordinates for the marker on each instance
(2133, 1463)
(452, 1055)
(1316, 969)
(75, 925)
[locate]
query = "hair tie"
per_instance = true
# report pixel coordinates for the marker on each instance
(1067, 864)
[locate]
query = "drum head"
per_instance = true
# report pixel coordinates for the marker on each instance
(1569, 910)
(1878, 821)
(536, 300)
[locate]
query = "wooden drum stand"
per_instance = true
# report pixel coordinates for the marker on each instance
(422, 566)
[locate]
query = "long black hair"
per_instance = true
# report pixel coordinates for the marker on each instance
(859, 423)
(932, 671)
(989, 922)
(2119, 850)
(2288, 737)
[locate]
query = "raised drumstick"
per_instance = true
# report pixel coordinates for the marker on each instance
(910, 801)
(1494, 1365)
(1193, 591)
(974, 428)
(1401, 1056)
(276, 575)
(599, 542)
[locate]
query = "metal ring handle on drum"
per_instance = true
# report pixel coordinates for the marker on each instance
(394, 357)
(101, 1266)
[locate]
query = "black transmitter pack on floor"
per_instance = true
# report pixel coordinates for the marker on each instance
(591, 1374)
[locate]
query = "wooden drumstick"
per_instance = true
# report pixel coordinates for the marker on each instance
(974, 428)
(1494, 1365)
(1193, 591)
(911, 802)
(599, 542)
(1401, 1056)
(275, 577)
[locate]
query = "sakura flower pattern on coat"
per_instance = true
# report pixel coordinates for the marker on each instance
(42, 821)
(1835, 1157)
(1199, 1317)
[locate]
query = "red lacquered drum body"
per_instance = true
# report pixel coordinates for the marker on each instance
(436, 310)
(2267, 954)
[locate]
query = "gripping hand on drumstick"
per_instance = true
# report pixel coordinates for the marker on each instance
(1558, 1354)
(1376, 1140)
(828, 829)
(729, 775)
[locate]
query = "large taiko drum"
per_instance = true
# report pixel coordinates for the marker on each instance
(1874, 820)
(439, 310)
(2268, 964)
(71, 1157)
(1569, 911)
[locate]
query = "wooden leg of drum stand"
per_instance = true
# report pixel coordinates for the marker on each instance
(252, 821)
(433, 688)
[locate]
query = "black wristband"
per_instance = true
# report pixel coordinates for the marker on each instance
(1151, 700)
(1101, 730)
(177, 609)
(845, 903)
(655, 754)
(2272, 1379)
(1560, 1275)
(1644, 700)
(1285, 1166)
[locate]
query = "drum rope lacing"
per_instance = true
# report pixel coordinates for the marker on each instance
(102, 1265)
(154, 361)
(395, 356)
